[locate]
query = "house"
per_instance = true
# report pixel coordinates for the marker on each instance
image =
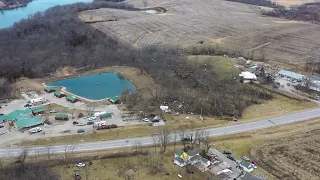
(24, 119)
(204, 162)
(195, 159)
(247, 166)
(72, 99)
(114, 100)
(193, 152)
(291, 76)
(247, 76)
(59, 94)
(49, 89)
(63, 117)
(179, 161)
(180, 158)
(38, 110)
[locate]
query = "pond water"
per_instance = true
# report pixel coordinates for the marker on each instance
(9, 17)
(97, 86)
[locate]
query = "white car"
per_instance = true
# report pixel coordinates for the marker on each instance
(35, 130)
(80, 164)
(53, 111)
(145, 120)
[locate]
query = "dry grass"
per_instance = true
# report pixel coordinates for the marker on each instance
(289, 3)
(106, 169)
(241, 144)
(224, 25)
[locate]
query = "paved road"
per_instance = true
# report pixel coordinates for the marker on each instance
(120, 143)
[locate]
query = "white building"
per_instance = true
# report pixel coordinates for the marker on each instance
(248, 76)
(37, 100)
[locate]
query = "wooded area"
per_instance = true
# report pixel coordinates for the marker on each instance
(10, 4)
(39, 45)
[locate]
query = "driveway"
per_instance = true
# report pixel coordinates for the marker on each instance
(223, 158)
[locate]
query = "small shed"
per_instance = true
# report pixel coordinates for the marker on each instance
(38, 110)
(59, 94)
(63, 117)
(114, 100)
(71, 99)
(49, 89)
(106, 116)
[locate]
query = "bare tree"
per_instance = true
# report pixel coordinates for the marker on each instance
(155, 139)
(174, 138)
(164, 137)
(90, 107)
(183, 136)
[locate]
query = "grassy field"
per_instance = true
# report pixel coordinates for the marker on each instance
(262, 145)
(236, 27)
(136, 167)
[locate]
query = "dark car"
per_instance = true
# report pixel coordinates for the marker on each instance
(227, 152)
(90, 122)
(81, 131)
(75, 122)
(1, 114)
(77, 176)
(231, 157)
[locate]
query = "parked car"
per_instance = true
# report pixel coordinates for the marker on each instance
(2, 133)
(145, 120)
(1, 125)
(245, 158)
(35, 130)
(227, 152)
(81, 131)
(53, 111)
(231, 157)
(90, 122)
(27, 105)
(288, 84)
(1, 114)
(81, 165)
(77, 176)
(75, 123)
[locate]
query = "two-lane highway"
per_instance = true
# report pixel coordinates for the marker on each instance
(145, 141)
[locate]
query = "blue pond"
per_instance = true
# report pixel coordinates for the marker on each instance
(9, 17)
(97, 86)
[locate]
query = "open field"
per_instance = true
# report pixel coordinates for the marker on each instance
(220, 24)
(265, 145)
(137, 167)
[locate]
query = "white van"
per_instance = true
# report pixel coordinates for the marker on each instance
(35, 130)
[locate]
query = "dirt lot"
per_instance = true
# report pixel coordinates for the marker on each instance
(221, 24)
(287, 152)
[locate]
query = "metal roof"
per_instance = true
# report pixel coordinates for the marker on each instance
(291, 74)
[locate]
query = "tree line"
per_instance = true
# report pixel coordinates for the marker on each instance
(10, 4)
(39, 45)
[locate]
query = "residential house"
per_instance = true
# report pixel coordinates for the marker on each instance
(204, 162)
(38, 110)
(218, 168)
(195, 159)
(247, 166)
(193, 152)
(180, 158)
(291, 76)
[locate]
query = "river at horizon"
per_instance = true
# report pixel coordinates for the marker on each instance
(9, 17)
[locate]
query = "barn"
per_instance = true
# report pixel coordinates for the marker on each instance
(114, 100)
(38, 110)
(62, 117)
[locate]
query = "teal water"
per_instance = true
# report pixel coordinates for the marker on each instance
(97, 86)
(9, 17)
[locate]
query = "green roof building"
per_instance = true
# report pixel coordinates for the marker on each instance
(38, 110)
(49, 89)
(24, 119)
(71, 99)
(114, 100)
(106, 116)
(3, 117)
(61, 117)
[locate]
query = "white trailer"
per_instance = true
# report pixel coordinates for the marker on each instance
(100, 123)
(37, 100)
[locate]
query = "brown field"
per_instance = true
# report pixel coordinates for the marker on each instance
(284, 152)
(221, 24)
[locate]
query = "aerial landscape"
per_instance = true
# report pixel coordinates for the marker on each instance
(160, 89)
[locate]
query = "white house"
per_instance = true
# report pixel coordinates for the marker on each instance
(192, 153)
(314, 82)
(195, 159)
(247, 166)
(180, 158)
(204, 162)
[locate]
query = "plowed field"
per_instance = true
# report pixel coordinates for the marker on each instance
(233, 26)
